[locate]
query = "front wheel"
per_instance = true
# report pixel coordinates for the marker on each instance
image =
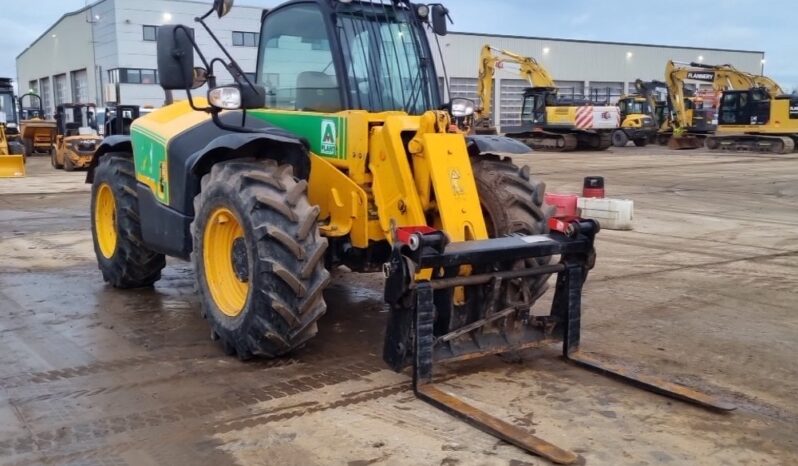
(123, 258)
(619, 138)
(513, 203)
(642, 142)
(258, 258)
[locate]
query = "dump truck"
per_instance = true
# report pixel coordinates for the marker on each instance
(344, 162)
(37, 133)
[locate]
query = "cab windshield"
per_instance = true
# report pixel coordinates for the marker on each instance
(8, 108)
(636, 107)
(386, 60)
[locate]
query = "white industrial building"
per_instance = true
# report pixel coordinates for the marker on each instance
(83, 56)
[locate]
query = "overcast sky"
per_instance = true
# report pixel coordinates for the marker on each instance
(767, 25)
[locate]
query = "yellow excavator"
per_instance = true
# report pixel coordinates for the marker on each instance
(760, 118)
(38, 134)
(549, 121)
(638, 121)
(12, 157)
(689, 123)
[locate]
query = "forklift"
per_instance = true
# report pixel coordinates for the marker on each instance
(77, 137)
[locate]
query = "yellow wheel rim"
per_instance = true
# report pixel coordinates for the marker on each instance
(105, 220)
(228, 287)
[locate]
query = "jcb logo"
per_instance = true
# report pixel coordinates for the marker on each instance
(329, 137)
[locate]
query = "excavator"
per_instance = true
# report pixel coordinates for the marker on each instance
(12, 152)
(689, 124)
(760, 118)
(549, 122)
(353, 163)
(638, 121)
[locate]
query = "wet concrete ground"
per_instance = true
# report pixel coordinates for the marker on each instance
(705, 291)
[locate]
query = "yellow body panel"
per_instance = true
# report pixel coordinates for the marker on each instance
(561, 116)
(341, 201)
(11, 166)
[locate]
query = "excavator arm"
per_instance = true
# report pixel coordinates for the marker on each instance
(722, 77)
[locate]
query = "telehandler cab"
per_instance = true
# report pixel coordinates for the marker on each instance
(346, 159)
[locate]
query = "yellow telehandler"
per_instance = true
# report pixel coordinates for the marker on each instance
(346, 159)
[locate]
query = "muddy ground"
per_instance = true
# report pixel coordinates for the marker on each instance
(704, 291)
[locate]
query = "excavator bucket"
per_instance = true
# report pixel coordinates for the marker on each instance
(425, 280)
(12, 166)
(687, 141)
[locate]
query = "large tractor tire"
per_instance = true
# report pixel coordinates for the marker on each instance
(513, 203)
(258, 258)
(123, 259)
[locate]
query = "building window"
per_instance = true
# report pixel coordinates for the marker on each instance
(47, 101)
(150, 33)
(60, 89)
(133, 76)
(80, 86)
(33, 86)
(245, 39)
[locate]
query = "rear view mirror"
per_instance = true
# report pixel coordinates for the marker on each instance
(200, 77)
(439, 16)
(175, 58)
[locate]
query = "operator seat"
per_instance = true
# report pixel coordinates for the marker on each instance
(317, 92)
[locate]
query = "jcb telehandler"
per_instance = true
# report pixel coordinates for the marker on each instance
(345, 160)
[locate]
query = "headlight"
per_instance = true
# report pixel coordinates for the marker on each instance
(226, 98)
(12, 125)
(422, 11)
(462, 107)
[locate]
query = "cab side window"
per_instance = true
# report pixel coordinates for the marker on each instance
(297, 67)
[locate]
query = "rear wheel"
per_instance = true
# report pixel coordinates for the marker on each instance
(258, 258)
(123, 259)
(619, 138)
(642, 142)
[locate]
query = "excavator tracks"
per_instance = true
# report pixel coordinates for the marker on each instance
(751, 143)
(545, 141)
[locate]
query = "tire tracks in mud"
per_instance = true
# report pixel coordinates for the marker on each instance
(66, 436)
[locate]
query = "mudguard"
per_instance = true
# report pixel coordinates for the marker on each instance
(496, 144)
(117, 143)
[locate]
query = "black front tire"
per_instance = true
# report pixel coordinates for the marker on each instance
(642, 142)
(284, 258)
(132, 264)
(513, 203)
(619, 138)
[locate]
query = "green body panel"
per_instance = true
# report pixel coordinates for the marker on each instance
(149, 154)
(325, 133)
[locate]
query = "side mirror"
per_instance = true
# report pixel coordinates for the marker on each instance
(439, 16)
(200, 76)
(222, 7)
(175, 58)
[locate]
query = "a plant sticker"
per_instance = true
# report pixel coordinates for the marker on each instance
(329, 138)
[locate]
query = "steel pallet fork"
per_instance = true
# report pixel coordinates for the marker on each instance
(414, 335)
